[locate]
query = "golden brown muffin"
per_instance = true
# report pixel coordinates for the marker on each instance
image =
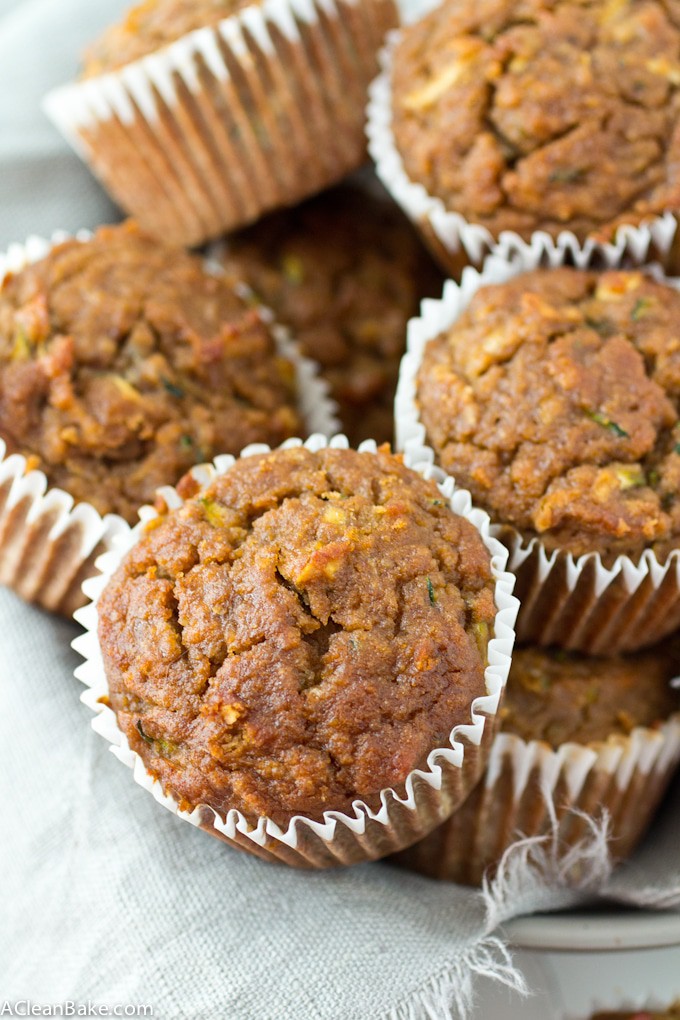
(561, 697)
(542, 116)
(565, 758)
(153, 24)
(201, 117)
(299, 635)
(555, 398)
(123, 363)
(346, 271)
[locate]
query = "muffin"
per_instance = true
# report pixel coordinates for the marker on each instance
(297, 637)
(123, 363)
(555, 398)
(346, 272)
(566, 118)
(672, 1013)
(199, 117)
(578, 734)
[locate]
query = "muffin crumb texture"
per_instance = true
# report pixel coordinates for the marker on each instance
(560, 697)
(124, 363)
(543, 116)
(299, 635)
(346, 271)
(555, 399)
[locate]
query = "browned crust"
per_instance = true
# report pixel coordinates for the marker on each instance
(555, 399)
(346, 272)
(124, 363)
(299, 635)
(543, 116)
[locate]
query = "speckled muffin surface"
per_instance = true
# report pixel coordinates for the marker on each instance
(543, 116)
(560, 696)
(346, 271)
(555, 398)
(150, 26)
(299, 635)
(123, 363)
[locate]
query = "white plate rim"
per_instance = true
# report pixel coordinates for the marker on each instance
(601, 931)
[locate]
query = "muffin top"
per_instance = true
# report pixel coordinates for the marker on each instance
(540, 115)
(555, 399)
(123, 363)
(559, 696)
(151, 25)
(300, 634)
(346, 271)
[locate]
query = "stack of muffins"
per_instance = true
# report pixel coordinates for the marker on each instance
(552, 392)
(304, 650)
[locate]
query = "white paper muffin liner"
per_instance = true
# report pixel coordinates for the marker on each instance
(530, 790)
(227, 123)
(430, 793)
(48, 546)
(457, 243)
(573, 602)
(48, 543)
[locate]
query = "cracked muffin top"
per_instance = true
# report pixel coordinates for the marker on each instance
(151, 25)
(346, 271)
(543, 115)
(555, 398)
(559, 696)
(123, 363)
(300, 634)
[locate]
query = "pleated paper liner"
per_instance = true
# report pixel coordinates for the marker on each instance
(227, 123)
(429, 794)
(528, 787)
(577, 603)
(48, 543)
(583, 605)
(457, 243)
(48, 546)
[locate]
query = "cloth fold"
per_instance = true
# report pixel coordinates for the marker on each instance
(107, 897)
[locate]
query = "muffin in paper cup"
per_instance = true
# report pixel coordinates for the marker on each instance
(555, 791)
(48, 542)
(455, 238)
(49, 538)
(245, 115)
(645, 1006)
(395, 817)
(586, 602)
(348, 301)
